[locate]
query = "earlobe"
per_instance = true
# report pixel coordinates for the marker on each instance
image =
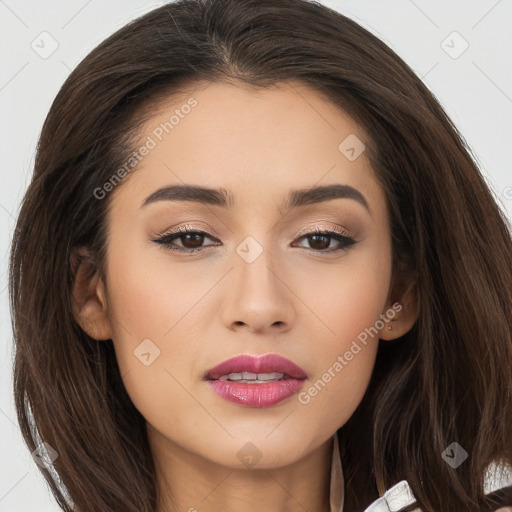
(89, 300)
(386, 333)
(406, 313)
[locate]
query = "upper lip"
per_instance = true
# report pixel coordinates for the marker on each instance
(266, 363)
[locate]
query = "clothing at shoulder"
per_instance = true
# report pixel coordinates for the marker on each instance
(400, 495)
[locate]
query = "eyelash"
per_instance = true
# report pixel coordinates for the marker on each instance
(166, 239)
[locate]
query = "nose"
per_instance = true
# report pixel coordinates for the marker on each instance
(258, 297)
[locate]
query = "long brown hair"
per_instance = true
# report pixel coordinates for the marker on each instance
(448, 379)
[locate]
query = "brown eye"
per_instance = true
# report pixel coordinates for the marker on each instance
(191, 241)
(321, 241)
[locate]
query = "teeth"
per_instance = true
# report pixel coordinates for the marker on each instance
(270, 376)
(256, 378)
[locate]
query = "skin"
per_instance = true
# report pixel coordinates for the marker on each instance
(204, 308)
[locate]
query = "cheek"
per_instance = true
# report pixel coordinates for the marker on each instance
(150, 300)
(344, 360)
(348, 297)
(142, 311)
(349, 303)
(148, 296)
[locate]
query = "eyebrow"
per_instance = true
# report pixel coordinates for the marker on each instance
(225, 199)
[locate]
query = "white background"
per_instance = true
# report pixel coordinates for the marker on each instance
(475, 89)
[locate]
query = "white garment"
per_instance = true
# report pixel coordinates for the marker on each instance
(400, 495)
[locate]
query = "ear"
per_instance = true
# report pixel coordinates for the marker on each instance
(89, 300)
(406, 309)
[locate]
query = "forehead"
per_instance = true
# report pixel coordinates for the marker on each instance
(254, 140)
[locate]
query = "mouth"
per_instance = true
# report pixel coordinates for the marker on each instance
(256, 369)
(254, 378)
(254, 381)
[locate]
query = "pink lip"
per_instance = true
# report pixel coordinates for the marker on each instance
(256, 395)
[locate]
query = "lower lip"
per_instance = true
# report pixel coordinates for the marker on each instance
(256, 395)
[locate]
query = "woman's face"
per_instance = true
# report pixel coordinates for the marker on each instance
(261, 281)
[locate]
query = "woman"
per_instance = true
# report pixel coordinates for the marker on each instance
(257, 268)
